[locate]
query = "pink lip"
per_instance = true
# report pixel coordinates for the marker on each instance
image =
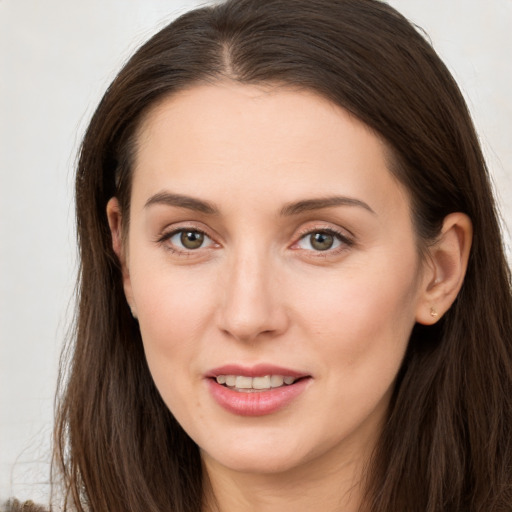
(257, 403)
(255, 371)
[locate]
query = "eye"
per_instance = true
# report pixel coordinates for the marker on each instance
(188, 239)
(322, 240)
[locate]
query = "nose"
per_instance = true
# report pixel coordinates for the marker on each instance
(252, 307)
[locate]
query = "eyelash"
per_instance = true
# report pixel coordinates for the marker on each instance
(166, 237)
(345, 241)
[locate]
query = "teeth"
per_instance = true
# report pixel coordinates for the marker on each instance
(248, 383)
(243, 382)
(261, 382)
(276, 381)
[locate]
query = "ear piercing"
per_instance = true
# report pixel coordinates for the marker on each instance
(433, 312)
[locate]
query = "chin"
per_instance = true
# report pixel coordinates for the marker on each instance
(257, 462)
(259, 454)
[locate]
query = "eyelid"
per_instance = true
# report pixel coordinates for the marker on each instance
(168, 232)
(343, 235)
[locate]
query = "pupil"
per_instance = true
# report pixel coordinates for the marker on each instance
(322, 241)
(192, 239)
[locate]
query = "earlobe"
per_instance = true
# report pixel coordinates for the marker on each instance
(447, 264)
(116, 230)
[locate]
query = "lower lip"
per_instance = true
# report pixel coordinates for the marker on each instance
(257, 403)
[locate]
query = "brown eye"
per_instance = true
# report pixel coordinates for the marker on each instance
(321, 241)
(324, 240)
(183, 241)
(191, 239)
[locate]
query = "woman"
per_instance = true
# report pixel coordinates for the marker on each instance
(293, 292)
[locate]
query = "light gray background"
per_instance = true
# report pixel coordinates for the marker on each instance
(56, 59)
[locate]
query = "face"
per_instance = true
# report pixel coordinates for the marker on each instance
(273, 267)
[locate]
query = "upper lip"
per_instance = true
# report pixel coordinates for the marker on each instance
(257, 370)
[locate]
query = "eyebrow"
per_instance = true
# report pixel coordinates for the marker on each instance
(182, 201)
(323, 202)
(295, 208)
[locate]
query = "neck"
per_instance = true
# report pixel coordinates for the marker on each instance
(332, 485)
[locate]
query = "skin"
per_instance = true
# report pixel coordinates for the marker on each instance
(258, 291)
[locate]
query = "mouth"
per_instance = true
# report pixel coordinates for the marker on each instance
(256, 391)
(247, 384)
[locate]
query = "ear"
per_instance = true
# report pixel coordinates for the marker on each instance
(445, 268)
(115, 223)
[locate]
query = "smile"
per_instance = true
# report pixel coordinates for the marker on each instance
(245, 384)
(258, 390)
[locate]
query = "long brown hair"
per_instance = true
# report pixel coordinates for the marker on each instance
(446, 445)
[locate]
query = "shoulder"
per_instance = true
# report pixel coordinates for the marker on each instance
(26, 506)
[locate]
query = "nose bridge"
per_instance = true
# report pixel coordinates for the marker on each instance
(251, 303)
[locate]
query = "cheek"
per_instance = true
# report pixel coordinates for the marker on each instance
(173, 313)
(172, 334)
(171, 301)
(364, 315)
(359, 328)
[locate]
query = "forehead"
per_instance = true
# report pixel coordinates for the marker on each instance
(265, 141)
